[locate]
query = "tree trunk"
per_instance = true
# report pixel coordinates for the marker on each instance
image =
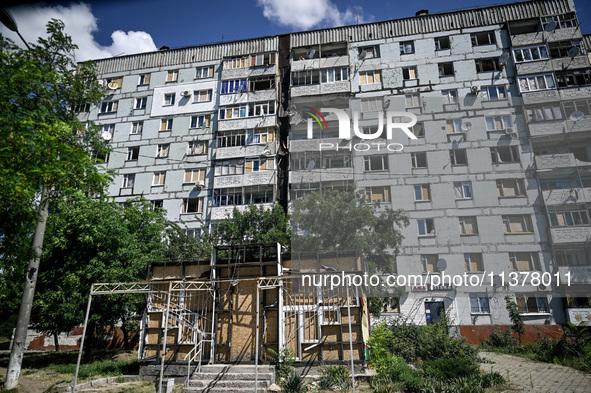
(56, 341)
(20, 336)
(125, 336)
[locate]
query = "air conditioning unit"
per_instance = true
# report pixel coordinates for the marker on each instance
(186, 94)
(510, 131)
(474, 89)
(200, 183)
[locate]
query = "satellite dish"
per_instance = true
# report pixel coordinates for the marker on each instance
(466, 126)
(362, 54)
(311, 165)
(504, 58)
(386, 104)
(106, 135)
(576, 115)
(574, 51)
(113, 85)
(541, 287)
(441, 264)
(551, 26)
(311, 54)
(497, 282)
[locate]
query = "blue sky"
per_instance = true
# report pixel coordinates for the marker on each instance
(109, 28)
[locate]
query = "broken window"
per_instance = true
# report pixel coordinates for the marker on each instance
(487, 65)
(483, 38)
(504, 154)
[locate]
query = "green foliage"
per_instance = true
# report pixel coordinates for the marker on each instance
(448, 368)
(517, 325)
(342, 220)
(282, 361)
(335, 378)
(501, 339)
(109, 367)
(294, 383)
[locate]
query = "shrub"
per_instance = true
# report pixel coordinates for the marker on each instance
(451, 368)
(394, 370)
(283, 362)
(293, 383)
(335, 378)
(501, 339)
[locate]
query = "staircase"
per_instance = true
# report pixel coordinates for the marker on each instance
(220, 378)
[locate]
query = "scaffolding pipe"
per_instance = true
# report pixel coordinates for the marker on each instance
(82, 339)
(163, 355)
(350, 339)
(256, 349)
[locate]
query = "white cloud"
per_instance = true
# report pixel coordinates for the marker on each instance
(80, 25)
(305, 14)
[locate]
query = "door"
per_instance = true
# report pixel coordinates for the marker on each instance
(433, 311)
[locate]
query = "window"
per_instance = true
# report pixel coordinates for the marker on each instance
(204, 72)
(418, 129)
(158, 179)
(335, 75)
(264, 59)
(108, 107)
(192, 205)
(133, 153)
(509, 188)
(172, 76)
(537, 82)
(166, 124)
(479, 303)
(563, 21)
(493, 92)
(246, 110)
(115, 83)
(450, 96)
(579, 105)
(128, 181)
(143, 79)
(259, 83)
(446, 69)
(562, 48)
(137, 127)
(377, 194)
(573, 257)
(532, 53)
(463, 189)
(504, 154)
(169, 99)
(108, 130)
(530, 303)
(422, 192)
(483, 38)
(454, 126)
(473, 262)
(157, 204)
(523, 261)
(376, 162)
(231, 167)
(497, 123)
(429, 263)
(517, 223)
(487, 65)
(569, 215)
(412, 100)
(370, 51)
(418, 159)
(236, 62)
(546, 112)
(573, 78)
(371, 104)
(468, 225)
(442, 43)
(194, 175)
(557, 184)
(162, 150)
(426, 227)
(458, 157)
(260, 135)
(197, 147)
(369, 77)
(202, 95)
(407, 47)
(234, 86)
(409, 73)
(140, 102)
(304, 78)
(227, 197)
(200, 121)
(231, 138)
(259, 164)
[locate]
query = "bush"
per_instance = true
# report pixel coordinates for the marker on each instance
(394, 370)
(335, 378)
(501, 339)
(451, 368)
(294, 383)
(283, 362)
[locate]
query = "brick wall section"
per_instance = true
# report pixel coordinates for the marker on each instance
(475, 333)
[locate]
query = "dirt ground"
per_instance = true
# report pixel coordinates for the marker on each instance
(26, 385)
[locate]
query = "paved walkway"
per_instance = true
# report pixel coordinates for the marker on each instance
(527, 376)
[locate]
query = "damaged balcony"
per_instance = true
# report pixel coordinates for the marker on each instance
(548, 162)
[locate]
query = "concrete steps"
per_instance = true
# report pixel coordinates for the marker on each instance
(230, 378)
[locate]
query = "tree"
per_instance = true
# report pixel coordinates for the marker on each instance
(91, 241)
(43, 157)
(332, 220)
(517, 325)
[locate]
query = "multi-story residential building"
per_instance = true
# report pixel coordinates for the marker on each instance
(496, 184)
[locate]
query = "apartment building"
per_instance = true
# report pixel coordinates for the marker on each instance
(496, 184)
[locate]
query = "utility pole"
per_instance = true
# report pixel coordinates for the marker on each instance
(20, 337)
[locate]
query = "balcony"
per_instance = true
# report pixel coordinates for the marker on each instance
(322, 88)
(541, 37)
(256, 150)
(539, 67)
(222, 212)
(570, 235)
(560, 127)
(578, 274)
(246, 179)
(325, 62)
(321, 175)
(247, 123)
(246, 72)
(540, 97)
(568, 195)
(249, 96)
(548, 162)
